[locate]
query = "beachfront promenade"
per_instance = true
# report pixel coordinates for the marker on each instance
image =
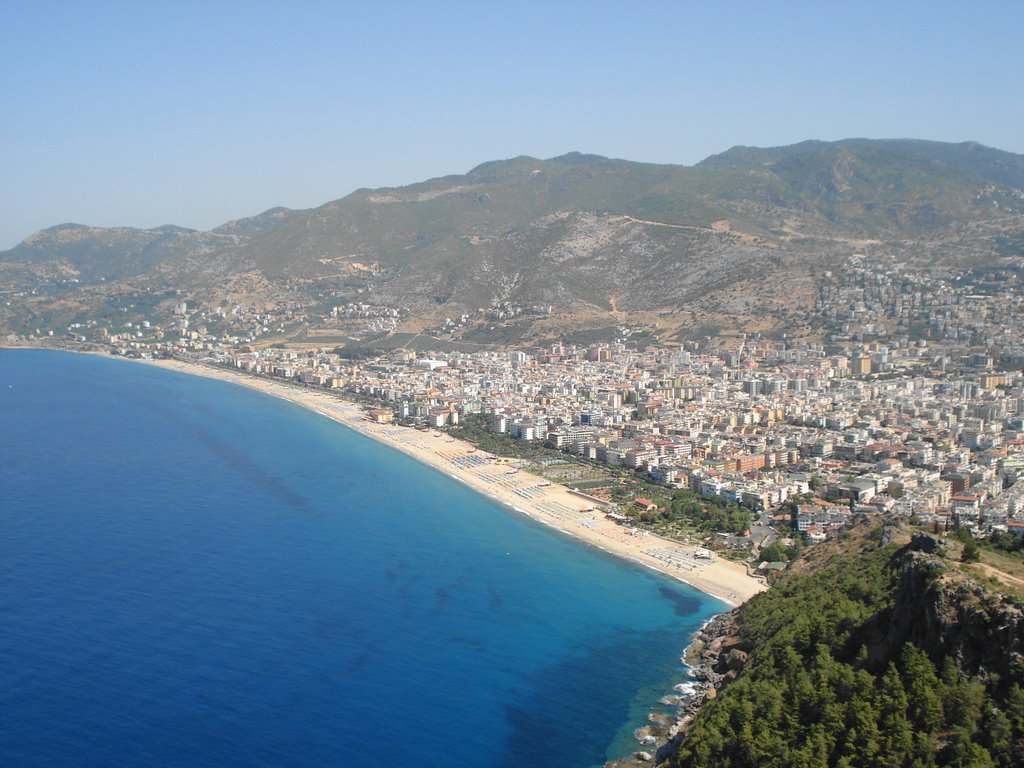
(548, 503)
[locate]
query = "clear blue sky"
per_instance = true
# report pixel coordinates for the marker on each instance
(145, 113)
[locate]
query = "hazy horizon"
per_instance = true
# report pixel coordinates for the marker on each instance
(182, 114)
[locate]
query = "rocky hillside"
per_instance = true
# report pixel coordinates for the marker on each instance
(97, 254)
(874, 651)
(745, 231)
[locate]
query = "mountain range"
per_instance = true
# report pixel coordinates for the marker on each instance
(743, 233)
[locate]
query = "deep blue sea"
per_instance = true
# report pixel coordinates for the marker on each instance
(196, 574)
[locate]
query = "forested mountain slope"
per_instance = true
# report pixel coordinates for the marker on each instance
(870, 654)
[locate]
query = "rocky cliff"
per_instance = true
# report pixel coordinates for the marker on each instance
(880, 648)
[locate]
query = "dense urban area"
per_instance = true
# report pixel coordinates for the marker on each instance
(910, 403)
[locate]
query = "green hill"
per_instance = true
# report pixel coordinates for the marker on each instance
(870, 654)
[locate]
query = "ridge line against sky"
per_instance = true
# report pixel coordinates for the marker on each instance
(144, 114)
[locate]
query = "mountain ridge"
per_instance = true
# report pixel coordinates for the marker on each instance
(580, 230)
(1008, 167)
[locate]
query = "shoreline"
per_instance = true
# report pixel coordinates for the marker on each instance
(549, 504)
(712, 659)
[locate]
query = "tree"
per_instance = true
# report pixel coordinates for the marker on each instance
(924, 690)
(971, 553)
(774, 553)
(892, 704)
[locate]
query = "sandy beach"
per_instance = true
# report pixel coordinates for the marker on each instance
(548, 503)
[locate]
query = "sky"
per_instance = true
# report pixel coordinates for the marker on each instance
(196, 113)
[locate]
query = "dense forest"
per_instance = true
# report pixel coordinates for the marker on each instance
(874, 655)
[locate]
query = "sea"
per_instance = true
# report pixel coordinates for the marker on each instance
(193, 573)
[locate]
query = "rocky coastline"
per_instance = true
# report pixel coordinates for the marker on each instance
(715, 656)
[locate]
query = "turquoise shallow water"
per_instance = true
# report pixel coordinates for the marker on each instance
(192, 573)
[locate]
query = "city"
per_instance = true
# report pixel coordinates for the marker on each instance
(909, 404)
